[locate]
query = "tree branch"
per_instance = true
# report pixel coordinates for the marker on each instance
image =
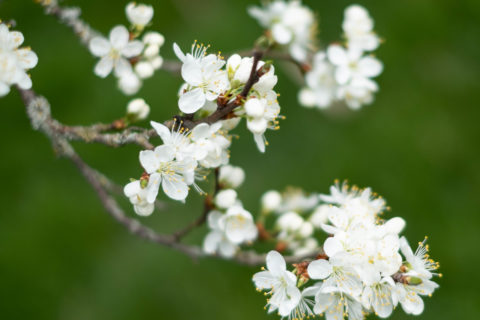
(38, 110)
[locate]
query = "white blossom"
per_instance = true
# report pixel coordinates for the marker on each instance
(358, 28)
(282, 285)
(351, 63)
(115, 52)
(14, 61)
(204, 77)
(138, 109)
(321, 84)
(173, 175)
(139, 15)
(291, 24)
(229, 230)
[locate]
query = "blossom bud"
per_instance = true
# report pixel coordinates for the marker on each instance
(151, 51)
(129, 83)
(290, 221)
(144, 69)
(139, 14)
(138, 109)
(257, 126)
(231, 176)
(154, 38)
(271, 200)
(414, 281)
(306, 230)
(157, 62)
(226, 198)
(255, 108)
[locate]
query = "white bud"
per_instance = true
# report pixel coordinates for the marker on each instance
(144, 69)
(320, 215)
(156, 62)
(226, 198)
(258, 125)
(306, 230)
(129, 83)
(307, 98)
(255, 108)
(271, 200)
(139, 14)
(231, 176)
(290, 221)
(151, 51)
(139, 108)
(154, 38)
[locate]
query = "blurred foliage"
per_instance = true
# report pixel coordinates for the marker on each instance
(63, 257)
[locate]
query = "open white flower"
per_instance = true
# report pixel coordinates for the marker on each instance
(203, 75)
(282, 285)
(14, 61)
(217, 240)
(336, 304)
(321, 85)
(114, 52)
(379, 296)
(174, 175)
(290, 23)
(178, 139)
(419, 263)
(350, 64)
(139, 15)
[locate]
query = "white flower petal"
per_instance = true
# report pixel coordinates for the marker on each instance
(119, 37)
(99, 46)
(276, 263)
(191, 101)
(132, 49)
(104, 67)
(319, 269)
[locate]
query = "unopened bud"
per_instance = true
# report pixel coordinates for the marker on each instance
(138, 109)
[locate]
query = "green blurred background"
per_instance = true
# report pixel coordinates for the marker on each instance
(63, 257)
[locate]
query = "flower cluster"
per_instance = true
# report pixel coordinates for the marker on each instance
(344, 73)
(130, 59)
(295, 215)
(229, 223)
(365, 265)
(14, 61)
(290, 24)
(210, 81)
(177, 163)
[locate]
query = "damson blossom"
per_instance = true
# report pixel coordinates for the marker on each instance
(344, 73)
(290, 23)
(139, 15)
(229, 230)
(365, 266)
(204, 77)
(14, 61)
(280, 283)
(164, 169)
(115, 52)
